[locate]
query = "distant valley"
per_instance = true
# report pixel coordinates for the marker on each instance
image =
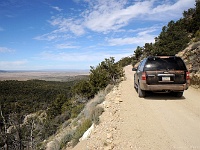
(43, 75)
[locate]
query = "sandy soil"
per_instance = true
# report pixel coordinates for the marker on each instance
(159, 121)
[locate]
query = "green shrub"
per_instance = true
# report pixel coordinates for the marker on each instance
(107, 72)
(125, 61)
(55, 108)
(66, 139)
(98, 99)
(76, 110)
(96, 113)
(197, 36)
(80, 131)
(83, 89)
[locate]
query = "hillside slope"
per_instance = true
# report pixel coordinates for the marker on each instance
(159, 121)
(191, 56)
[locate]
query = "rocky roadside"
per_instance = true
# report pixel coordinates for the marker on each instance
(191, 56)
(105, 135)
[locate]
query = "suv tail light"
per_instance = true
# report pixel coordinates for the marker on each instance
(144, 76)
(187, 75)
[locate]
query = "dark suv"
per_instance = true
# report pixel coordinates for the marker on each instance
(161, 74)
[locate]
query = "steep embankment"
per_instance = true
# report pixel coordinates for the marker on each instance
(191, 56)
(159, 121)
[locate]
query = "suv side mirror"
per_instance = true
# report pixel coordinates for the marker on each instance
(134, 69)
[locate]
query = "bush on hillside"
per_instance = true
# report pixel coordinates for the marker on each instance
(171, 40)
(107, 72)
(197, 36)
(125, 61)
(96, 113)
(80, 131)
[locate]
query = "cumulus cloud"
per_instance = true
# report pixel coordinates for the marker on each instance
(168, 10)
(57, 8)
(144, 36)
(112, 15)
(64, 28)
(67, 24)
(172, 7)
(5, 50)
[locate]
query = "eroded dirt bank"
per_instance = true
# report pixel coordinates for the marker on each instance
(159, 121)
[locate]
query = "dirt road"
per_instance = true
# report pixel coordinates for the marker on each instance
(159, 121)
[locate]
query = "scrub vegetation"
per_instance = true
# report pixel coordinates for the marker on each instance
(32, 112)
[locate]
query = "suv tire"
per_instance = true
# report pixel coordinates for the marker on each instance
(178, 94)
(141, 93)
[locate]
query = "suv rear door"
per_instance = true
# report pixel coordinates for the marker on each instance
(165, 70)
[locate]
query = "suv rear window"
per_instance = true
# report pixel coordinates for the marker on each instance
(171, 63)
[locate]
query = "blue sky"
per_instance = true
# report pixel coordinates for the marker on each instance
(77, 34)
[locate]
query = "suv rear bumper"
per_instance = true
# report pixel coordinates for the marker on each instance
(164, 87)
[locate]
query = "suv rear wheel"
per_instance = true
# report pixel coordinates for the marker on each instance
(141, 93)
(178, 94)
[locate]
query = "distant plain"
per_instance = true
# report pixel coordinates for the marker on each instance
(43, 75)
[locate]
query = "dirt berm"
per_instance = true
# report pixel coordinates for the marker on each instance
(158, 122)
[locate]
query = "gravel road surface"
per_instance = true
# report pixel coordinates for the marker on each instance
(159, 121)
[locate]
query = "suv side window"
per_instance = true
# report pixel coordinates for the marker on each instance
(141, 66)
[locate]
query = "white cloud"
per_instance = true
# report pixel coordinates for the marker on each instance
(151, 29)
(6, 50)
(66, 46)
(169, 11)
(52, 36)
(7, 65)
(113, 15)
(176, 7)
(48, 37)
(67, 24)
(130, 41)
(64, 28)
(57, 8)
(142, 37)
(80, 57)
